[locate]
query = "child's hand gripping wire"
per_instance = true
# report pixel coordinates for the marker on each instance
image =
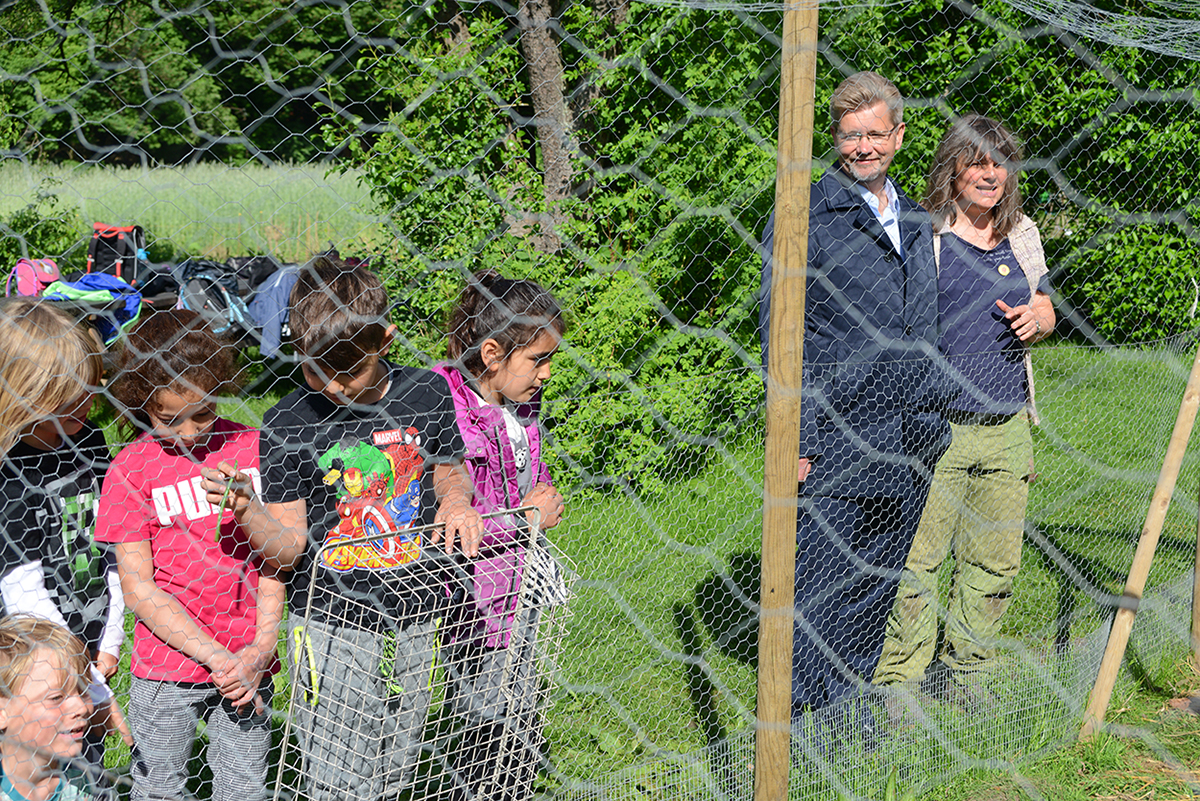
(549, 501)
(461, 523)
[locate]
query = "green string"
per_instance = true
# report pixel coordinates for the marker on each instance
(221, 508)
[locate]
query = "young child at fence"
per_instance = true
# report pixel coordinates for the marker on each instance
(501, 338)
(50, 564)
(44, 712)
(208, 611)
(365, 448)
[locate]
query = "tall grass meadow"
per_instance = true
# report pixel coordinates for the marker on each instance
(205, 210)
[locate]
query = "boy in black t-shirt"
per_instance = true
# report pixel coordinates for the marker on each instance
(366, 448)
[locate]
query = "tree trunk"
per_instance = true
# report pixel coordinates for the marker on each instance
(551, 115)
(458, 35)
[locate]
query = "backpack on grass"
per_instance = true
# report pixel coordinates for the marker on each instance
(211, 290)
(118, 250)
(30, 276)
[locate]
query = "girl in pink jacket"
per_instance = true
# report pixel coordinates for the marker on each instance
(502, 337)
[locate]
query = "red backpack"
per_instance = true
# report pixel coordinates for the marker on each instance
(118, 250)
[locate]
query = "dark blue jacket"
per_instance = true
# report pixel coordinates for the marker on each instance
(872, 391)
(270, 307)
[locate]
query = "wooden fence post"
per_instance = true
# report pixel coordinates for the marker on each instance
(785, 354)
(1135, 585)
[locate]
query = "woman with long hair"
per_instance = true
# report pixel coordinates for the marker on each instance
(993, 303)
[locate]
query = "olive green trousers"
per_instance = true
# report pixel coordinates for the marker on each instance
(975, 510)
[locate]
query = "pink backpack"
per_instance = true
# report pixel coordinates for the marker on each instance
(31, 276)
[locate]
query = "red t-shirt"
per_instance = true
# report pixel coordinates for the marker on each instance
(152, 492)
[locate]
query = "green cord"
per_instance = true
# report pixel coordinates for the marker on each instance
(221, 508)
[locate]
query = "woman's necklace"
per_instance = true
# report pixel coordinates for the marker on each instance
(969, 233)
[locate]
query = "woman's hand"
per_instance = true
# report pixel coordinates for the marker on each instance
(1026, 321)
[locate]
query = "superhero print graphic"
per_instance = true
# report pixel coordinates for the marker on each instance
(379, 496)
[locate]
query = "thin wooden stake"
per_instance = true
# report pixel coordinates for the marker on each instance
(1135, 585)
(785, 359)
(1196, 589)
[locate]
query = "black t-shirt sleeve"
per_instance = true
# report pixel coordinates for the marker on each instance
(445, 444)
(281, 449)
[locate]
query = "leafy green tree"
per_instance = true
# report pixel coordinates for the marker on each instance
(639, 234)
(111, 82)
(142, 80)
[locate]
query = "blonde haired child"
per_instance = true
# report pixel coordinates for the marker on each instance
(47, 360)
(50, 473)
(44, 711)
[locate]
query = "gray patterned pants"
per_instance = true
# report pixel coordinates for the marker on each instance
(163, 717)
(360, 704)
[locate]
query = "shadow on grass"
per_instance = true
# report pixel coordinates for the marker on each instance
(727, 605)
(724, 607)
(1078, 579)
(1029, 707)
(1085, 583)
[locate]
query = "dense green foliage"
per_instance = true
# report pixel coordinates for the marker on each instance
(673, 122)
(656, 266)
(668, 119)
(141, 81)
(1137, 283)
(43, 228)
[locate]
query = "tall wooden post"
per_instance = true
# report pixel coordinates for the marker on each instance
(1118, 637)
(793, 180)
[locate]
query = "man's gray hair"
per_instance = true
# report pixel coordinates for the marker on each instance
(864, 89)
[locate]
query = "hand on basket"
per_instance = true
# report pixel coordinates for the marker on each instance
(549, 501)
(463, 524)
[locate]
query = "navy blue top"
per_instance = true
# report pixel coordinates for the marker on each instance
(873, 394)
(985, 356)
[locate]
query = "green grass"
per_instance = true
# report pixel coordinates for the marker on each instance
(208, 210)
(1152, 752)
(653, 601)
(660, 659)
(652, 667)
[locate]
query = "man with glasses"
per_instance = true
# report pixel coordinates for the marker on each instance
(870, 427)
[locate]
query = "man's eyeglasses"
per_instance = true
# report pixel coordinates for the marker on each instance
(874, 137)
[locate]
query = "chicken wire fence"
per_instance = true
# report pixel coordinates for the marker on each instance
(388, 696)
(622, 155)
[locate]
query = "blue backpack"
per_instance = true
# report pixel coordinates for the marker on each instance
(211, 290)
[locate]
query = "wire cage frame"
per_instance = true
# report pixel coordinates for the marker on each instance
(461, 710)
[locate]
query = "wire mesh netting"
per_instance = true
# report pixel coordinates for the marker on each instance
(386, 700)
(953, 593)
